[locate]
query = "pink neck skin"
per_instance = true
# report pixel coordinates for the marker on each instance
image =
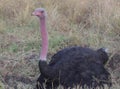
(44, 35)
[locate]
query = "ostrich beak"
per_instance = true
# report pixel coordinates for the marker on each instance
(35, 13)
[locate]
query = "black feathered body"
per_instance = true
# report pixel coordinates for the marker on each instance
(75, 66)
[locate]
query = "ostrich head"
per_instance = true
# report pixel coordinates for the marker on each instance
(39, 12)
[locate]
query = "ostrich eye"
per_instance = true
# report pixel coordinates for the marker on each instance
(42, 11)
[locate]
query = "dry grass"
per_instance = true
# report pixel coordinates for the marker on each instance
(94, 23)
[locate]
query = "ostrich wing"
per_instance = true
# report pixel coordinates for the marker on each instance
(75, 52)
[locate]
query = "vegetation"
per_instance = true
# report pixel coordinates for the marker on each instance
(92, 23)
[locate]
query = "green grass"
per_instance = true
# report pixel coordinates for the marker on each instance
(13, 48)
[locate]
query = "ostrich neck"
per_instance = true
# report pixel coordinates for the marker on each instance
(45, 69)
(44, 36)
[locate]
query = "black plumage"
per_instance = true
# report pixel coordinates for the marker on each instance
(75, 66)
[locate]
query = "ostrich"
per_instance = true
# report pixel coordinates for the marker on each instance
(72, 66)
